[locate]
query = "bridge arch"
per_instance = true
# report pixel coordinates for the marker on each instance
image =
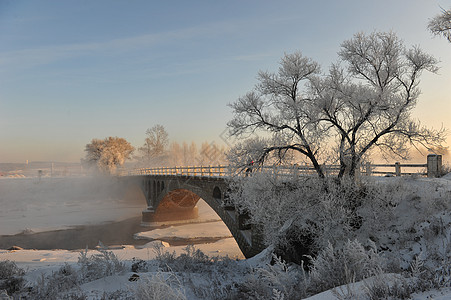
(176, 196)
(180, 203)
(177, 204)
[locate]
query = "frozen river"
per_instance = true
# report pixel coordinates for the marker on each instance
(75, 213)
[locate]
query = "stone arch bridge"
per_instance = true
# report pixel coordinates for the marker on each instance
(172, 194)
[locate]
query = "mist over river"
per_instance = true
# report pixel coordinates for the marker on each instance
(75, 213)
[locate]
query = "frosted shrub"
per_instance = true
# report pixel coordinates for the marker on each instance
(388, 286)
(192, 260)
(57, 284)
(299, 216)
(163, 257)
(215, 287)
(9, 268)
(11, 277)
(442, 274)
(278, 280)
(419, 278)
(160, 286)
(335, 267)
(205, 277)
(418, 222)
(104, 263)
(430, 272)
(274, 203)
(116, 295)
(252, 288)
(139, 265)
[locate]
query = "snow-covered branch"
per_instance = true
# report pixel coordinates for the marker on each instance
(441, 24)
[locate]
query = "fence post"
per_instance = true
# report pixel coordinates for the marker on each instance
(397, 169)
(434, 165)
(295, 171)
(368, 168)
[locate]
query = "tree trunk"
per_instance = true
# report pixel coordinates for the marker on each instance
(354, 164)
(317, 167)
(342, 171)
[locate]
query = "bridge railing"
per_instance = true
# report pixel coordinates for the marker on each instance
(229, 171)
(431, 169)
(225, 171)
(201, 171)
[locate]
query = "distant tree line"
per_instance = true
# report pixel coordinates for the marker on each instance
(109, 154)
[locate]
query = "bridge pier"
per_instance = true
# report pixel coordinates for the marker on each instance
(147, 215)
(175, 214)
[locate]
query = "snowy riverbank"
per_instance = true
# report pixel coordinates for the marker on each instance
(124, 271)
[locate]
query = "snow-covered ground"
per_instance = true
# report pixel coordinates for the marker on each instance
(31, 205)
(358, 289)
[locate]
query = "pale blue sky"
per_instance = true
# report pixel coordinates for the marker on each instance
(71, 71)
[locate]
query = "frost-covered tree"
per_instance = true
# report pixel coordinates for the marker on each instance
(367, 103)
(155, 144)
(108, 154)
(189, 155)
(175, 154)
(441, 24)
(280, 113)
(362, 103)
